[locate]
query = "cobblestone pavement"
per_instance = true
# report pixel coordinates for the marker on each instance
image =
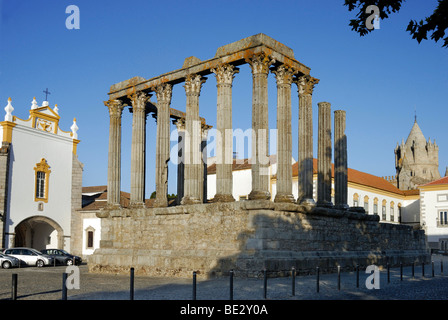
(46, 284)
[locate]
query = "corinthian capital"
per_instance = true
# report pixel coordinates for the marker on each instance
(284, 74)
(115, 107)
(305, 84)
(193, 84)
(260, 63)
(139, 100)
(225, 73)
(164, 93)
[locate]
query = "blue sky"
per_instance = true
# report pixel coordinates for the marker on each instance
(379, 79)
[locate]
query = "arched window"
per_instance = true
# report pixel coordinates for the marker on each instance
(392, 216)
(375, 206)
(41, 180)
(366, 204)
(355, 200)
(383, 210)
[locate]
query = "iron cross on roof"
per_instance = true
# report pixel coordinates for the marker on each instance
(46, 93)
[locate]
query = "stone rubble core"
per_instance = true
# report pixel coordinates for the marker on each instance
(246, 236)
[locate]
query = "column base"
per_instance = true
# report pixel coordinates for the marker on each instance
(259, 195)
(160, 203)
(342, 206)
(284, 198)
(190, 200)
(223, 198)
(307, 204)
(136, 205)
(325, 204)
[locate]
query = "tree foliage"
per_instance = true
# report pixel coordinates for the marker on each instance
(434, 25)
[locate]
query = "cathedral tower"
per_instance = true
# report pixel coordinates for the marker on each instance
(417, 160)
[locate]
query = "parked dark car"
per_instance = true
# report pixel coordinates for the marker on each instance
(62, 257)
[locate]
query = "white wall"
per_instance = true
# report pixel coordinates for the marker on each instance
(28, 147)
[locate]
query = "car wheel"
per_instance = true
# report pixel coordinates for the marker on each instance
(69, 262)
(39, 263)
(6, 265)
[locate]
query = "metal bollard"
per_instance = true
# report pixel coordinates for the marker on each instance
(14, 287)
(231, 284)
(357, 276)
(339, 278)
(64, 286)
(293, 274)
(423, 269)
(317, 279)
(413, 270)
(388, 273)
(194, 285)
(432, 267)
(131, 285)
(265, 283)
(401, 271)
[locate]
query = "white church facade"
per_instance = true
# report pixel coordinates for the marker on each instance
(40, 179)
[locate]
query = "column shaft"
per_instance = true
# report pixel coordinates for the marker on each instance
(324, 155)
(138, 149)
(193, 158)
(224, 180)
(340, 160)
(305, 86)
(114, 157)
(180, 124)
(163, 93)
(260, 127)
(284, 137)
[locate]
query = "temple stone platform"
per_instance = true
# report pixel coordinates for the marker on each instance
(248, 236)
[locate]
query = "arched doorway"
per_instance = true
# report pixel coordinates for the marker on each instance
(39, 232)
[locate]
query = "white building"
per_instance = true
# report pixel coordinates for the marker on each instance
(40, 179)
(434, 212)
(375, 194)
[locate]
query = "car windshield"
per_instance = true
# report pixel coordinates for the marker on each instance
(64, 252)
(35, 252)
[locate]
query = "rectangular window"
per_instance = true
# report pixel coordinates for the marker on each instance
(383, 212)
(90, 239)
(392, 214)
(443, 217)
(355, 203)
(40, 185)
(375, 209)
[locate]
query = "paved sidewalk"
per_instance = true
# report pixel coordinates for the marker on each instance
(46, 284)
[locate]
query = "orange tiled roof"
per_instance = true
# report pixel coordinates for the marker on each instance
(443, 180)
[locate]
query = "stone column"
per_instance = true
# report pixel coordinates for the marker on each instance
(193, 186)
(163, 93)
(340, 160)
(114, 158)
(260, 129)
(324, 155)
(284, 76)
(138, 101)
(203, 173)
(305, 86)
(180, 125)
(224, 144)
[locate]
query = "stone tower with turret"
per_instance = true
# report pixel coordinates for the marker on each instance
(416, 160)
